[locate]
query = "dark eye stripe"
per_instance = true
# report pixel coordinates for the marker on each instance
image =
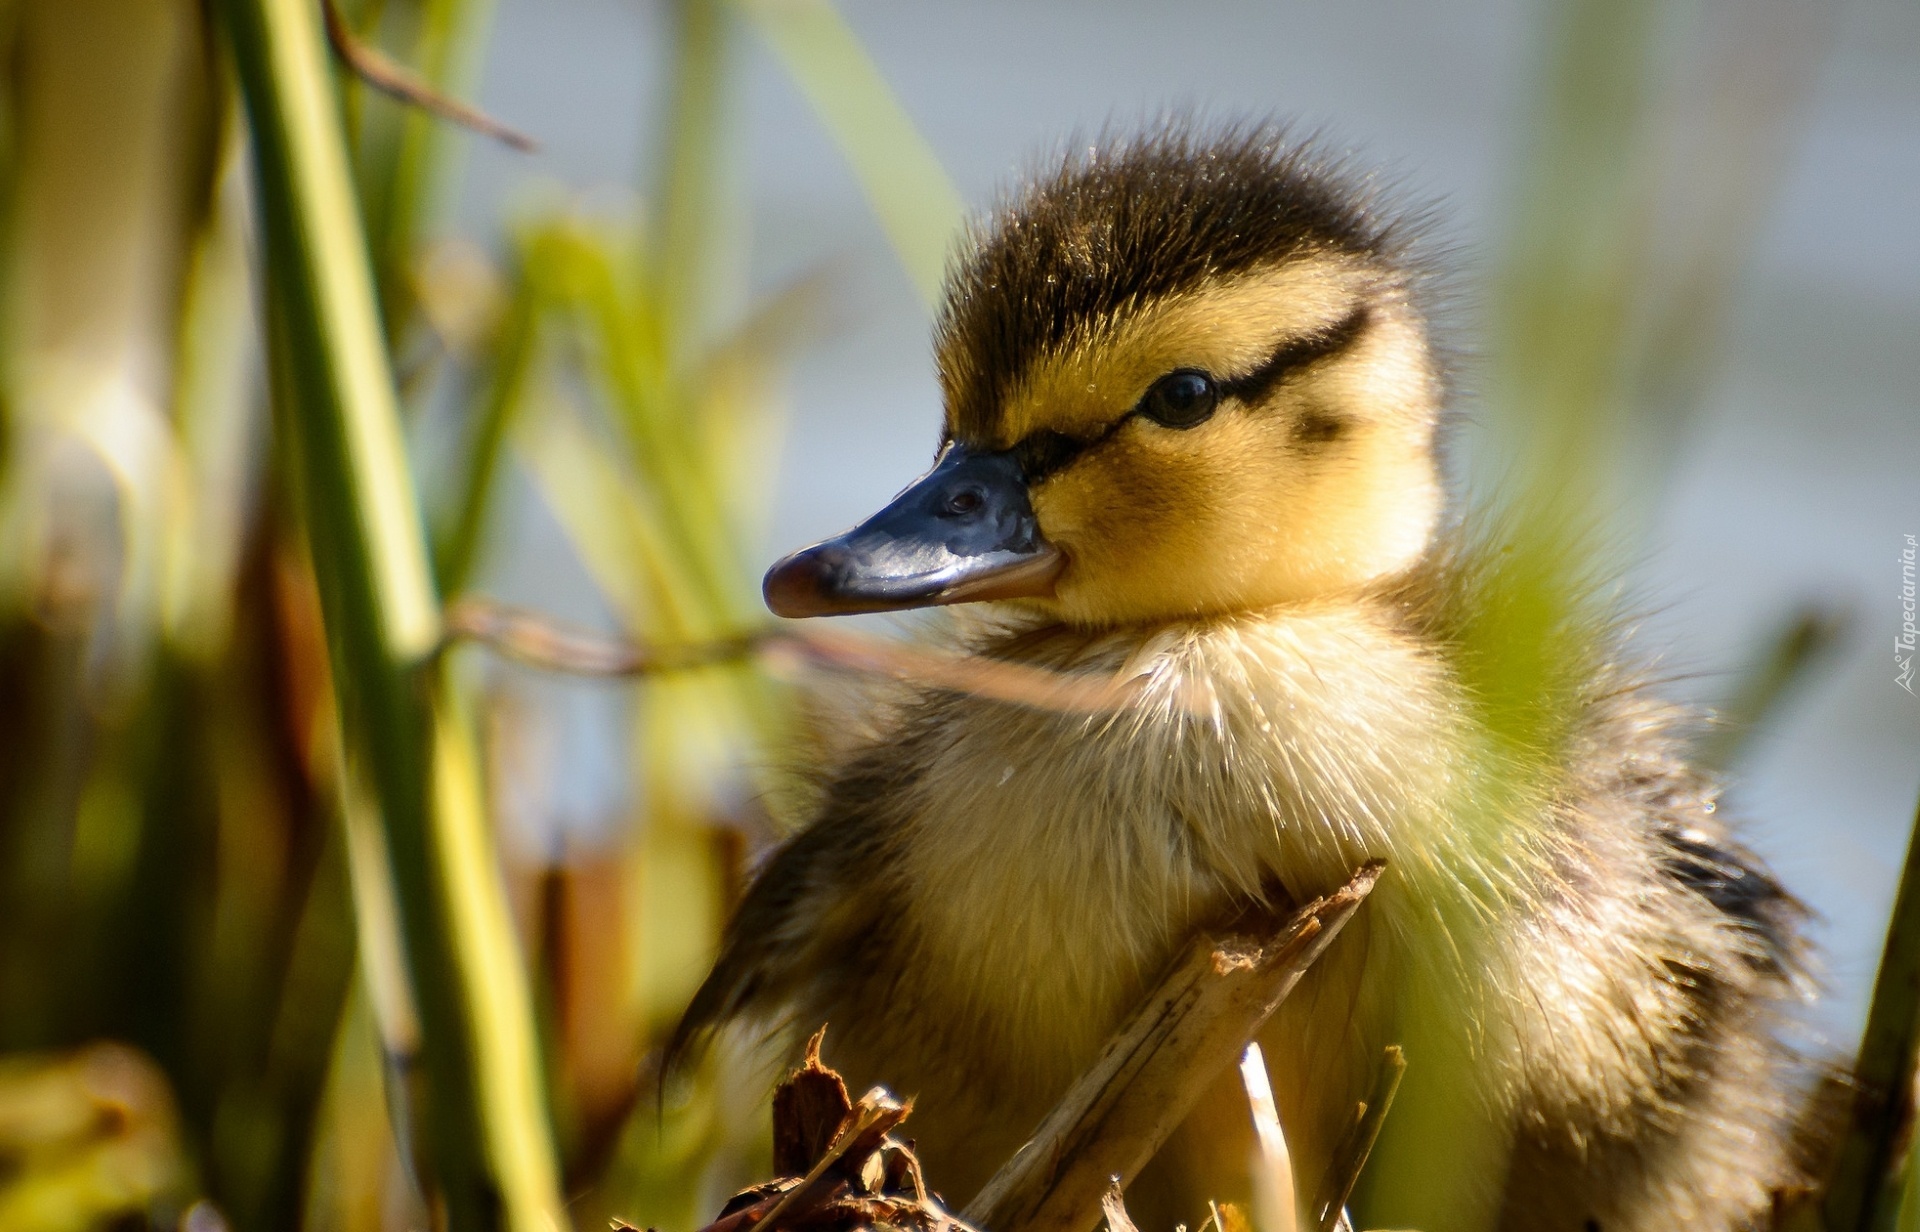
(1255, 385)
(1045, 452)
(1042, 453)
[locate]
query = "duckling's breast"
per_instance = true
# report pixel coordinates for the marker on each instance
(1051, 862)
(1529, 941)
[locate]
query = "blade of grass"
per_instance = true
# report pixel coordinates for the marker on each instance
(484, 1126)
(406, 156)
(498, 998)
(610, 523)
(213, 405)
(1863, 1192)
(1576, 257)
(312, 998)
(688, 508)
(683, 250)
(1731, 150)
(1800, 644)
(350, 1186)
(1561, 322)
(1343, 1171)
(918, 206)
(740, 417)
(511, 362)
(628, 551)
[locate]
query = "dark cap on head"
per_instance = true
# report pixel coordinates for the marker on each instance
(1123, 222)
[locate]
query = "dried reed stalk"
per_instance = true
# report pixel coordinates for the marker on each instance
(1187, 1031)
(1330, 1205)
(394, 80)
(1273, 1196)
(539, 641)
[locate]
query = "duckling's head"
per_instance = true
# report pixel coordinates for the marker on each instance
(1183, 376)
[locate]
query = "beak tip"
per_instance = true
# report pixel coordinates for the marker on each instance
(792, 588)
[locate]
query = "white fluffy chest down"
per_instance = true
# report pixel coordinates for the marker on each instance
(1049, 863)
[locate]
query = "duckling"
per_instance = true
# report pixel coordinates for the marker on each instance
(1192, 437)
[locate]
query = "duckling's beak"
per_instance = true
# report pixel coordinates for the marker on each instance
(964, 532)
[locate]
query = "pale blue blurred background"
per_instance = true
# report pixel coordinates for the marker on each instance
(1797, 481)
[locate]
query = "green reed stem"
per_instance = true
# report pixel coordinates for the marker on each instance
(1863, 1191)
(689, 193)
(917, 205)
(510, 365)
(485, 1138)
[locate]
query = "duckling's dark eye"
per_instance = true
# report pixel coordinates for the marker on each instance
(1183, 399)
(964, 502)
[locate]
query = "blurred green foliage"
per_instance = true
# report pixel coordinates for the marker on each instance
(210, 522)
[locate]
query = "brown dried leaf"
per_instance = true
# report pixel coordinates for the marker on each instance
(808, 1110)
(857, 1176)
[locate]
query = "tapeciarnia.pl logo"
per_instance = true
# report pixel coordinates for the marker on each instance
(1903, 641)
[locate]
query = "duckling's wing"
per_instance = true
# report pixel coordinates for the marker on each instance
(761, 949)
(810, 901)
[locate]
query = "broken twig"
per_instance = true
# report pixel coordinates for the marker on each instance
(393, 79)
(1154, 1069)
(539, 641)
(1343, 1171)
(1113, 1205)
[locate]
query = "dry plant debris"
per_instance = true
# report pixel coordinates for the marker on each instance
(542, 642)
(1113, 1205)
(1186, 1032)
(393, 79)
(1344, 1171)
(840, 1168)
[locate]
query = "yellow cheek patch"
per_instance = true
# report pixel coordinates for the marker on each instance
(1170, 522)
(1226, 329)
(1235, 515)
(1129, 495)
